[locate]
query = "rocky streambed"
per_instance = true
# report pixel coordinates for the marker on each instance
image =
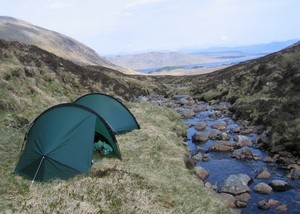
(229, 158)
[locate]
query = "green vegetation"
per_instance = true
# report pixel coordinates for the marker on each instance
(265, 91)
(152, 176)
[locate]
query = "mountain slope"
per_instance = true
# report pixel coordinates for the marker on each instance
(12, 29)
(265, 90)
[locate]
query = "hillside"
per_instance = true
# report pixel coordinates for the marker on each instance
(265, 90)
(152, 176)
(12, 29)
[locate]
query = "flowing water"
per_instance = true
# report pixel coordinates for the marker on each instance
(221, 165)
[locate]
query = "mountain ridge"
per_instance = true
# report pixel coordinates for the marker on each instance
(12, 29)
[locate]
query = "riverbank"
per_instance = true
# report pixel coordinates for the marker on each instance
(151, 178)
(230, 158)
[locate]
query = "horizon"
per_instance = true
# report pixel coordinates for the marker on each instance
(137, 26)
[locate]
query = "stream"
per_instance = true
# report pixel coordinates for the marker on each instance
(221, 165)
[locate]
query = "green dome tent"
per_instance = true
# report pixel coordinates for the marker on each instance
(115, 113)
(59, 143)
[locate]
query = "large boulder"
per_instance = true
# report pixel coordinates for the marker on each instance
(236, 184)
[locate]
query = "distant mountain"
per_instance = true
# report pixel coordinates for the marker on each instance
(12, 29)
(256, 49)
(151, 60)
(158, 60)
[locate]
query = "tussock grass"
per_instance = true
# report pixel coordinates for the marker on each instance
(150, 179)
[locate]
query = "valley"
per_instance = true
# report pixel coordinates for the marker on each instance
(264, 91)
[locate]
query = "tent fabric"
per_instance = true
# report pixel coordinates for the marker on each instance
(115, 113)
(59, 144)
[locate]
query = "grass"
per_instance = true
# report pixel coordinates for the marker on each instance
(151, 178)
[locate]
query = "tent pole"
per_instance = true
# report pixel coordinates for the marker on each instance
(37, 171)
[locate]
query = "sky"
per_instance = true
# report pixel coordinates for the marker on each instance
(130, 26)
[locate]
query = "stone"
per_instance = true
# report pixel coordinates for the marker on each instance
(221, 148)
(200, 137)
(214, 134)
(268, 160)
(245, 178)
(242, 153)
(263, 205)
(214, 102)
(255, 157)
(282, 208)
(294, 174)
(205, 157)
(199, 108)
(198, 157)
(208, 185)
(224, 136)
(264, 174)
(187, 113)
(216, 114)
(235, 185)
(227, 199)
(142, 99)
(241, 204)
(273, 202)
(264, 137)
(200, 126)
(221, 126)
(279, 185)
(242, 140)
(236, 130)
(245, 197)
(247, 131)
(201, 172)
(183, 101)
(262, 188)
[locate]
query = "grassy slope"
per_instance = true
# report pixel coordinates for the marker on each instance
(265, 90)
(151, 178)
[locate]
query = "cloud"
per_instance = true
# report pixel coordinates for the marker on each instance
(224, 38)
(137, 3)
(58, 5)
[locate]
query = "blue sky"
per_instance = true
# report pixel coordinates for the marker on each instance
(116, 26)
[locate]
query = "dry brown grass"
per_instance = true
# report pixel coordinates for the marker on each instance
(150, 179)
